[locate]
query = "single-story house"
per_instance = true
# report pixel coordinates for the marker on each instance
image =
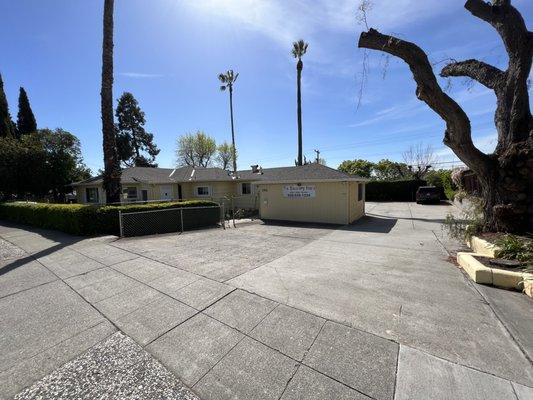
(308, 193)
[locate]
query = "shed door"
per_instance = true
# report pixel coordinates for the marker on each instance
(166, 192)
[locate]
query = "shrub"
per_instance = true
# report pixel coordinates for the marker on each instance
(468, 224)
(515, 248)
(393, 190)
(85, 220)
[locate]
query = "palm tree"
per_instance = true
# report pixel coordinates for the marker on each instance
(111, 164)
(228, 79)
(299, 48)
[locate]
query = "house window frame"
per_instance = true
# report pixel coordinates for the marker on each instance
(360, 191)
(128, 191)
(88, 197)
(197, 191)
(249, 184)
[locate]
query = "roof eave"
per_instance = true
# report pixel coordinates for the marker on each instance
(266, 182)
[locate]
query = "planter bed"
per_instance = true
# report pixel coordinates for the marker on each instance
(478, 267)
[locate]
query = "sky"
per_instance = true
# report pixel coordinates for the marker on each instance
(168, 53)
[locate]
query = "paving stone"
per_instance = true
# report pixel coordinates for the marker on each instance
(523, 392)
(422, 376)
(143, 269)
(311, 385)
(9, 251)
(288, 330)
(66, 263)
(105, 254)
(358, 359)
(39, 318)
(128, 301)
(154, 319)
(21, 274)
(27, 371)
(173, 281)
(100, 284)
(241, 310)
(201, 293)
(249, 371)
(194, 347)
(117, 368)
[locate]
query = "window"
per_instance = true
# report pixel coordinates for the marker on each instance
(130, 192)
(91, 194)
(360, 191)
(202, 190)
(246, 188)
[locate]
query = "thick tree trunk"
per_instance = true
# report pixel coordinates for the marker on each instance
(111, 164)
(508, 190)
(506, 176)
(299, 68)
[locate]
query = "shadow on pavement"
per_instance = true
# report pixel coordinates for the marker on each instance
(63, 240)
(372, 223)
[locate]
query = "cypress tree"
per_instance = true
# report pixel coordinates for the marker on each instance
(25, 119)
(6, 124)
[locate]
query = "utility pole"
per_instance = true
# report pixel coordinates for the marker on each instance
(317, 156)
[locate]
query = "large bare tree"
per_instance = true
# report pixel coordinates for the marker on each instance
(506, 176)
(111, 162)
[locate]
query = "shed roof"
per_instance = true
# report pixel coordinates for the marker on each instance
(303, 173)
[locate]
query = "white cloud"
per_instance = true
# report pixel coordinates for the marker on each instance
(285, 21)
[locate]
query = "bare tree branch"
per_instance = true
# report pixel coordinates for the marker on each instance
(458, 130)
(485, 74)
(508, 22)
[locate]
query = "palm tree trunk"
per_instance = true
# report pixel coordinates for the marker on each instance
(111, 165)
(299, 68)
(232, 130)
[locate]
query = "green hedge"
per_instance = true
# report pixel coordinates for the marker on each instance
(86, 220)
(393, 190)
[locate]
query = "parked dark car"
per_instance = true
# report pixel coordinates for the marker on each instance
(427, 194)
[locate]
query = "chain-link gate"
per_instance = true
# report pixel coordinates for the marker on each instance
(150, 222)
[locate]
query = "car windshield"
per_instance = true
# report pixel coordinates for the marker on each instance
(427, 190)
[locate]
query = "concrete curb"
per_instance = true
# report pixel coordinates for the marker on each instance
(482, 247)
(494, 276)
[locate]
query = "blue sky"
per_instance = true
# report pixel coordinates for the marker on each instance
(168, 53)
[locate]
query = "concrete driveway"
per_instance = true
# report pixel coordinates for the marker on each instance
(372, 310)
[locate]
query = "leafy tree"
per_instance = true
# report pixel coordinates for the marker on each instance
(132, 138)
(25, 119)
(225, 155)
(228, 80)
(7, 126)
(505, 175)
(196, 149)
(40, 163)
(387, 170)
(299, 48)
(109, 143)
(362, 168)
(442, 178)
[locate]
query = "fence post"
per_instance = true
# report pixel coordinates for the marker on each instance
(120, 223)
(181, 217)
(223, 216)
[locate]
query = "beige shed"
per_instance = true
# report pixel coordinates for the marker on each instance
(311, 193)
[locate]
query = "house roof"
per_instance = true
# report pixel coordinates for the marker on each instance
(304, 173)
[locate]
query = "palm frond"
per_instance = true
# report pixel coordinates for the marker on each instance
(222, 87)
(299, 48)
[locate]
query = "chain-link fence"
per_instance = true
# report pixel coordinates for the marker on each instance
(168, 220)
